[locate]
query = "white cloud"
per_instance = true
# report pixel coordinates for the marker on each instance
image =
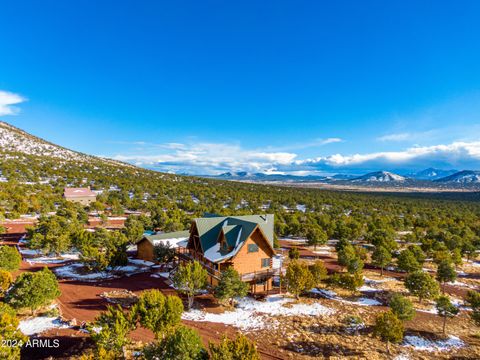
(330, 141)
(7, 100)
(395, 137)
(214, 158)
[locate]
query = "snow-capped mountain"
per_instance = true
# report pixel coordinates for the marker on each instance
(462, 177)
(379, 176)
(14, 141)
(432, 174)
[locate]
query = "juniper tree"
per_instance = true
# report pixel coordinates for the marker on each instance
(473, 300)
(318, 271)
(6, 280)
(9, 331)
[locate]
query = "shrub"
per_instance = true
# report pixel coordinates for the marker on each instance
(346, 281)
(318, 271)
(240, 348)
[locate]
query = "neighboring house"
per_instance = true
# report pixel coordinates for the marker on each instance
(145, 247)
(217, 242)
(83, 196)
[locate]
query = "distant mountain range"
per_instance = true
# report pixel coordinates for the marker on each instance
(428, 177)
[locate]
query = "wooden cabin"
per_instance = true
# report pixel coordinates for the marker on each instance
(218, 242)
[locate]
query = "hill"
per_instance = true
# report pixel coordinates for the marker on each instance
(462, 177)
(379, 176)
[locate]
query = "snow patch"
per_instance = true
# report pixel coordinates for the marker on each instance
(251, 314)
(40, 324)
(422, 344)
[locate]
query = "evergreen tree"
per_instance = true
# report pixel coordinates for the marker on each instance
(164, 252)
(6, 280)
(298, 278)
(388, 328)
(189, 279)
(349, 258)
(318, 271)
(422, 284)
(408, 262)
(316, 236)
(402, 307)
(230, 286)
(133, 229)
(445, 273)
(9, 258)
(240, 348)
(110, 330)
(381, 257)
(182, 343)
(32, 290)
(293, 253)
(445, 309)
(158, 312)
(9, 331)
(473, 300)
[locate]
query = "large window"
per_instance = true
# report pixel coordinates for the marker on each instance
(265, 263)
(252, 248)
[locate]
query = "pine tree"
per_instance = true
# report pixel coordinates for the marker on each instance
(408, 262)
(402, 307)
(298, 278)
(189, 279)
(158, 312)
(33, 289)
(381, 257)
(422, 284)
(9, 258)
(181, 343)
(319, 272)
(445, 309)
(230, 286)
(473, 300)
(388, 328)
(445, 273)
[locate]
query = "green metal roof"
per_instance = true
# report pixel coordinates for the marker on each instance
(237, 230)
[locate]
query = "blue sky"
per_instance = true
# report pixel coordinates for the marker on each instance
(276, 86)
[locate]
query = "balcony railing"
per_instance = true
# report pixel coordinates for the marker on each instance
(190, 255)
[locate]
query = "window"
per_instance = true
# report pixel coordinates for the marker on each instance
(252, 248)
(265, 263)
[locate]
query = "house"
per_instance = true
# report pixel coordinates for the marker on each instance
(83, 196)
(218, 242)
(145, 247)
